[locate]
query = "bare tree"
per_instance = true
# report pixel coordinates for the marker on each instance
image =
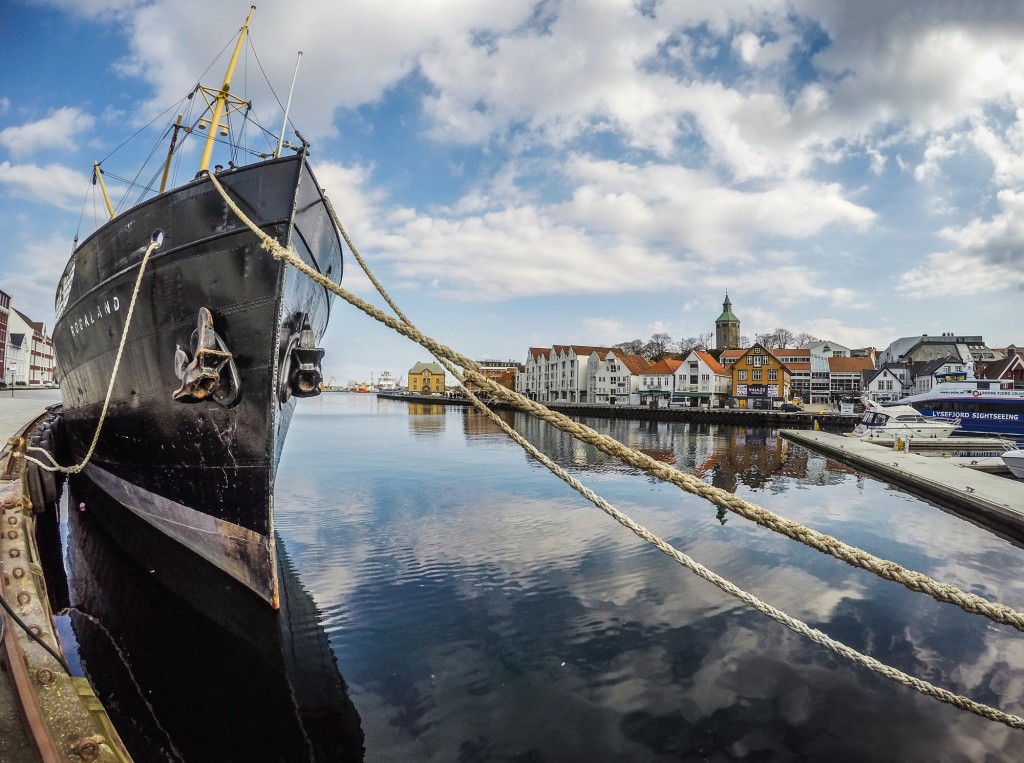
(632, 347)
(780, 337)
(700, 342)
(803, 338)
(658, 347)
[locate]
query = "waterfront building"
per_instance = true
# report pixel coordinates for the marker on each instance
(845, 375)
(727, 328)
(825, 349)
(533, 378)
(968, 349)
(614, 377)
(5, 313)
(759, 379)
(701, 380)
(886, 384)
(557, 374)
(30, 359)
(926, 374)
(426, 378)
(658, 382)
(1010, 367)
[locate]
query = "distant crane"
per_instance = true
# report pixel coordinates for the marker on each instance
(329, 387)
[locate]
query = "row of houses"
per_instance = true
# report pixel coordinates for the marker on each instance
(26, 350)
(752, 377)
(820, 372)
(759, 377)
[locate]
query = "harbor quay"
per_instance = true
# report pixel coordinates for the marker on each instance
(810, 417)
(46, 713)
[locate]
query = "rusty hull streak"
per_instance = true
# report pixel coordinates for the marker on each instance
(243, 554)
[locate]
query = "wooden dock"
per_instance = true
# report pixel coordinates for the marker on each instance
(989, 499)
(46, 714)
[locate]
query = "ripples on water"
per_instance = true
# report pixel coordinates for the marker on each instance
(476, 608)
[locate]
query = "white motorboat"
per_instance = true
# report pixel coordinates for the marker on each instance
(1014, 460)
(903, 421)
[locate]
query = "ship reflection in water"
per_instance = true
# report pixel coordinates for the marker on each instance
(239, 683)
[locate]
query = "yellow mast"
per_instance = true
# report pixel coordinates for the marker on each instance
(222, 96)
(98, 174)
(170, 154)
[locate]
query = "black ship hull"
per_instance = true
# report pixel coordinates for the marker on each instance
(200, 464)
(190, 665)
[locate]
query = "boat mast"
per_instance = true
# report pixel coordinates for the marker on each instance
(97, 174)
(223, 96)
(170, 154)
(287, 108)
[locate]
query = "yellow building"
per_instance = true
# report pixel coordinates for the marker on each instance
(759, 379)
(425, 378)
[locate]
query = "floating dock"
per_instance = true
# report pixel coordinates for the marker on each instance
(46, 714)
(953, 483)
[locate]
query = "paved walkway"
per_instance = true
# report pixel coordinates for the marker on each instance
(19, 407)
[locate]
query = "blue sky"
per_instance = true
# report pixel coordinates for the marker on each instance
(526, 174)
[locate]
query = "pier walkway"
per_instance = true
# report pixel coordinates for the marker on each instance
(991, 500)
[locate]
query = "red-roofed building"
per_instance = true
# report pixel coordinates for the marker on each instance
(701, 381)
(658, 381)
(759, 380)
(557, 374)
(614, 377)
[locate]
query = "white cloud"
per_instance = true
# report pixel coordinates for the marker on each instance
(60, 129)
(988, 256)
(54, 184)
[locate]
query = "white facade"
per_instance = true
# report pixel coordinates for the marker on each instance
(824, 349)
(887, 385)
(33, 362)
(924, 382)
(610, 380)
(699, 381)
(557, 374)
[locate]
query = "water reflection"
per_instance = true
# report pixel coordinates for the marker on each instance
(487, 613)
(190, 666)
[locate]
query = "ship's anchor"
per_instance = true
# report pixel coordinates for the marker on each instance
(301, 372)
(200, 376)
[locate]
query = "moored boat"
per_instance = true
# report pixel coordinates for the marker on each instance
(1014, 460)
(223, 339)
(988, 406)
(900, 421)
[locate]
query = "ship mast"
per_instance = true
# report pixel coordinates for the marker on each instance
(223, 98)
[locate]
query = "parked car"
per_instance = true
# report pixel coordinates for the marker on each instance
(790, 408)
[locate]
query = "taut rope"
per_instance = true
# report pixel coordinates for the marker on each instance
(890, 570)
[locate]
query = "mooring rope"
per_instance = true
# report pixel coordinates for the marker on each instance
(76, 468)
(832, 546)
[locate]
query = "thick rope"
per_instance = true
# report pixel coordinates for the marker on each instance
(450, 359)
(54, 466)
(915, 581)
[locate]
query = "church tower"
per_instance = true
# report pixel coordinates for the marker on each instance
(727, 328)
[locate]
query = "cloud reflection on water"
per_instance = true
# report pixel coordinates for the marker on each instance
(491, 613)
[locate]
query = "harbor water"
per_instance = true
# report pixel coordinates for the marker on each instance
(447, 599)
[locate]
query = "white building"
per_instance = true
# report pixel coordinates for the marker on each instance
(557, 374)
(614, 377)
(29, 353)
(658, 382)
(702, 381)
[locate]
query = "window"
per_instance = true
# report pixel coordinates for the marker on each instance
(773, 375)
(757, 375)
(742, 375)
